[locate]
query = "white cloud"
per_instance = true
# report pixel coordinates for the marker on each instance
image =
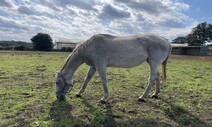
(26, 10)
(112, 12)
(80, 19)
(7, 3)
(173, 33)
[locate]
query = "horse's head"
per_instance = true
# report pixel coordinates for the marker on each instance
(62, 87)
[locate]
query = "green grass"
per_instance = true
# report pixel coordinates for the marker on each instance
(27, 96)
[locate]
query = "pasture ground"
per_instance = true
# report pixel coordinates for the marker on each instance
(27, 96)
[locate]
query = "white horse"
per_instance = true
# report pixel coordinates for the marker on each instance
(102, 51)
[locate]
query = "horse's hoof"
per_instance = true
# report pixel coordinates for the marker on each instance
(155, 96)
(141, 100)
(103, 102)
(78, 96)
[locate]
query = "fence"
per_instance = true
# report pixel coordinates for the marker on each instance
(191, 50)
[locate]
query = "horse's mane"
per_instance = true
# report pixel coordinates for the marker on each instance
(69, 56)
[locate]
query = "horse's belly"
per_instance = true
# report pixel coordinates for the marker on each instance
(126, 62)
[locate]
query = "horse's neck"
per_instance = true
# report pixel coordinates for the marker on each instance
(71, 65)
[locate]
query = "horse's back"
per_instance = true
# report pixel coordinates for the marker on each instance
(121, 51)
(125, 51)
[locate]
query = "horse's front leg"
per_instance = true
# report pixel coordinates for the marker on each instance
(103, 75)
(152, 77)
(90, 74)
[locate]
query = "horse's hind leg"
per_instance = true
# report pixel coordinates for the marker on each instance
(152, 77)
(90, 74)
(157, 90)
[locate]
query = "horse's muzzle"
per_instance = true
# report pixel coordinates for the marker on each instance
(61, 97)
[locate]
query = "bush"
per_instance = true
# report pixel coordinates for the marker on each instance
(8, 48)
(42, 42)
(66, 49)
(20, 48)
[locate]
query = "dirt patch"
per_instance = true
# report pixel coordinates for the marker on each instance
(24, 118)
(204, 58)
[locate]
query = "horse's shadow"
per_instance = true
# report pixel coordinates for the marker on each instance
(102, 115)
(59, 109)
(61, 115)
(107, 118)
(179, 114)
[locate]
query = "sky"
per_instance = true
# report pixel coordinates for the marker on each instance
(20, 20)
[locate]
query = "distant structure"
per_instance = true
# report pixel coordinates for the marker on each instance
(66, 43)
(184, 49)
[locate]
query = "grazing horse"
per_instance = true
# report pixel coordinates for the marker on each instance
(102, 51)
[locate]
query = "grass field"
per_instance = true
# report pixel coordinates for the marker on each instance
(27, 96)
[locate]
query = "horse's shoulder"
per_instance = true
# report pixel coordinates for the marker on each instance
(104, 35)
(101, 37)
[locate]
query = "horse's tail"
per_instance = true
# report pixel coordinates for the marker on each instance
(164, 70)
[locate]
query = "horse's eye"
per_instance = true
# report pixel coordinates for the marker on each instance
(57, 82)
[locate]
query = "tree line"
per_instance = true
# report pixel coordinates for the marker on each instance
(40, 42)
(43, 42)
(16, 45)
(199, 35)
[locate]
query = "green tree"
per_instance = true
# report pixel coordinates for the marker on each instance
(200, 34)
(180, 40)
(42, 42)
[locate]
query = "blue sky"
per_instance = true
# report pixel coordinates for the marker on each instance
(199, 10)
(80, 19)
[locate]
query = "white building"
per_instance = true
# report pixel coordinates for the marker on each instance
(61, 43)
